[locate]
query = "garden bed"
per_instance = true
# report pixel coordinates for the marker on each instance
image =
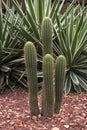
(15, 115)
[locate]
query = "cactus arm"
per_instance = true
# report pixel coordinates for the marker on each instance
(48, 86)
(59, 81)
(31, 69)
(46, 35)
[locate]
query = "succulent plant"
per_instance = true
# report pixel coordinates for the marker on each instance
(46, 35)
(47, 96)
(59, 81)
(31, 68)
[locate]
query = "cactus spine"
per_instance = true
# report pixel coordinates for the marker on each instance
(31, 67)
(59, 81)
(46, 35)
(47, 99)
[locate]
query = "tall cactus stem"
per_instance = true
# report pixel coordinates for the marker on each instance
(31, 69)
(47, 95)
(46, 35)
(59, 81)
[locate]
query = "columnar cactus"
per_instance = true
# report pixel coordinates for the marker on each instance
(59, 81)
(47, 96)
(31, 69)
(46, 35)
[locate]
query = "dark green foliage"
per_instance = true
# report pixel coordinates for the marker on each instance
(46, 35)
(0, 49)
(1, 21)
(31, 68)
(59, 81)
(69, 39)
(11, 52)
(47, 98)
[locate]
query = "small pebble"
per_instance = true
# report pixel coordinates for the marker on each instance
(1, 113)
(55, 128)
(66, 126)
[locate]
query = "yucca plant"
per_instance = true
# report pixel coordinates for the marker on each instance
(67, 29)
(10, 53)
(34, 13)
(71, 41)
(32, 18)
(28, 23)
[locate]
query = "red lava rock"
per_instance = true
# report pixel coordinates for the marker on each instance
(66, 126)
(15, 113)
(55, 128)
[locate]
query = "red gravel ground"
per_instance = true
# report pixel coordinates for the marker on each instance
(14, 113)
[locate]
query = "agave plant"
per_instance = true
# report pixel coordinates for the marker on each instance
(69, 38)
(33, 15)
(10, 53)
(71, 41)
(31, 19)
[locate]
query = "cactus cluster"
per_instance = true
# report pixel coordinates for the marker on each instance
(48, 93)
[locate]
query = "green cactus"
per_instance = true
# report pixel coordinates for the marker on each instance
(31, 68)
(46, 35)
(47, 95)
(59, 81)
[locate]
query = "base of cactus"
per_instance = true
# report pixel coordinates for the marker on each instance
(57, 110)
(47, 115)
(35, 113)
